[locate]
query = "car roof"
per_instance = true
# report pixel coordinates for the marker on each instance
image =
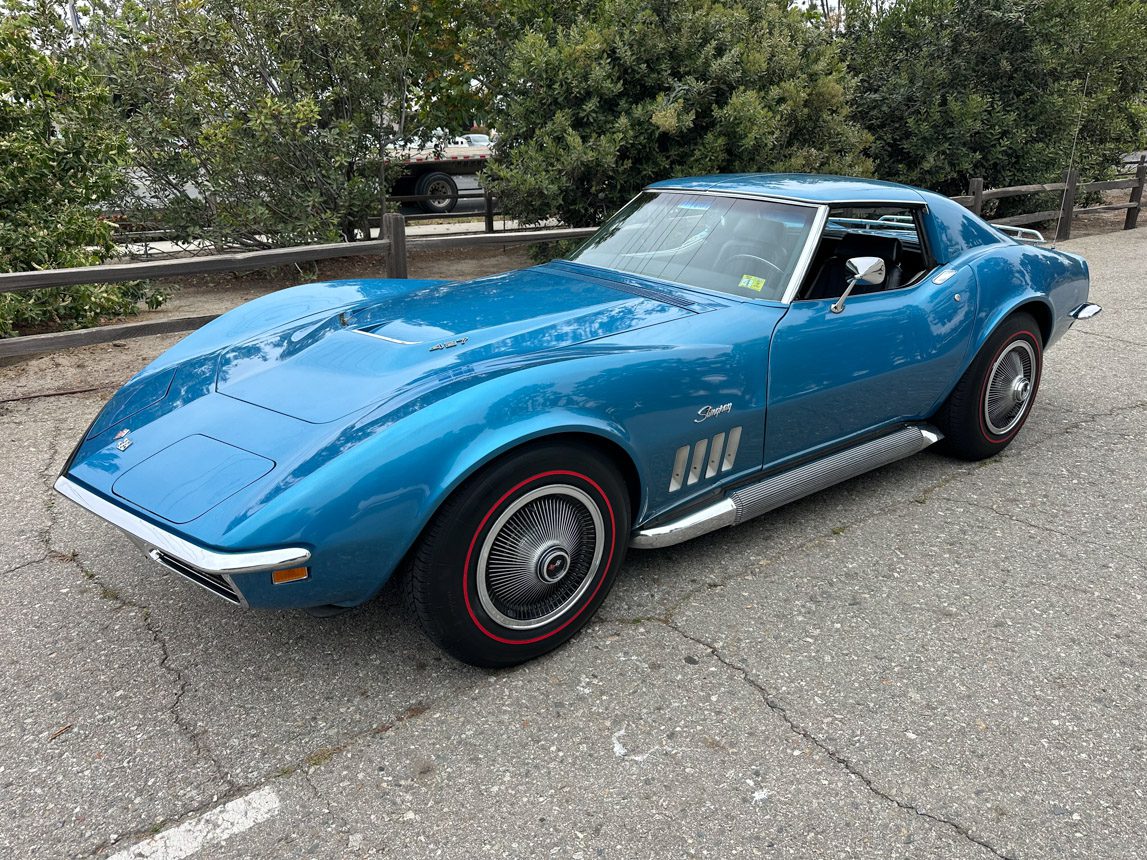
(805, 187)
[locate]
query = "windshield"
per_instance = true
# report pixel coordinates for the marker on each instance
(742, 247)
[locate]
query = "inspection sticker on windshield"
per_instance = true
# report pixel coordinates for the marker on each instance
(752, 282)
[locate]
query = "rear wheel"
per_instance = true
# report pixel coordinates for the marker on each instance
(443, 191)
(994, 397)
(521, 556)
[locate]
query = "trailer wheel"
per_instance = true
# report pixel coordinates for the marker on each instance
(442, 191)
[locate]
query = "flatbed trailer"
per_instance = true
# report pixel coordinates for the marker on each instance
(430, 172)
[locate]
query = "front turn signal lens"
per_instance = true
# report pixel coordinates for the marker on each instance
(291, 574)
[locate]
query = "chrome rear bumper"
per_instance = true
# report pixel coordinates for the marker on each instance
(1085, 311)
(205, 567)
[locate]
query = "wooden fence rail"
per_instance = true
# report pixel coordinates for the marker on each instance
(1071, 187)
(395, 245)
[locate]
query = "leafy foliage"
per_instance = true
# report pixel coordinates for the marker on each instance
(606, 96)
(957, 88)
(262, 122)
(58, 162)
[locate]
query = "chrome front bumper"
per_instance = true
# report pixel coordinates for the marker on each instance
(207, 568)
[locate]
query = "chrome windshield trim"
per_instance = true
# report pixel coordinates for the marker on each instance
(740, 195)
(797, 201)
(154, 537)
(805, 260)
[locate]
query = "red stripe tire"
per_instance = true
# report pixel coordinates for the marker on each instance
(992, 400)
(521, 556)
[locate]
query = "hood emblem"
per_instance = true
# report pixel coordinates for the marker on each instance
(447, 344)
(707, 412)
(122, 440)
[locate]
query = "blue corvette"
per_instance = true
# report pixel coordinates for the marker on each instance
(722, 346)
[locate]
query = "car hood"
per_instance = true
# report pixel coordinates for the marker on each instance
(322, 370)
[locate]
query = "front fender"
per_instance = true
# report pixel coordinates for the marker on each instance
(364, 499)
(364, 509)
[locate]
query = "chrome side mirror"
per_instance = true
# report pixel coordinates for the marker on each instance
(866, 271)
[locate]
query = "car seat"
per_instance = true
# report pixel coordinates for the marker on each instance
(833, 276)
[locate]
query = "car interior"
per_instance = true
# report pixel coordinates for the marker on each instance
(890, 233)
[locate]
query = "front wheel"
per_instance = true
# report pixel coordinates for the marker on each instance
(521, 556)
(994, 397)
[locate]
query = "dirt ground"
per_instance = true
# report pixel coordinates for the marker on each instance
(218, 292)
(92, 370)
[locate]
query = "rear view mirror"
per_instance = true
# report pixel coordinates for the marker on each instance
(866, 271)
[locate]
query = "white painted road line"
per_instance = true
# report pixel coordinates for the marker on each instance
(218, 824)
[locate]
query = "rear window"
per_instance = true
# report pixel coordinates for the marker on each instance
(887, 220)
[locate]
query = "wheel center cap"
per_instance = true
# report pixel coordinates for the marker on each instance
(553, 565)
(1021, 389)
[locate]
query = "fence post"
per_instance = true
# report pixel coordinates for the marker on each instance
(1068, 208)
(394, 225)
(976, 191)
(1136, 194)
(489, 198)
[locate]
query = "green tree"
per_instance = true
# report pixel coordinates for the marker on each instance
(58, 163)
(593, 106)
(262, 122)
(995, 88)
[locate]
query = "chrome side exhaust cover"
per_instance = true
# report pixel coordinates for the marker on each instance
(778, 490)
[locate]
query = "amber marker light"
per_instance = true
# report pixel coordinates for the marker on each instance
(291, 574)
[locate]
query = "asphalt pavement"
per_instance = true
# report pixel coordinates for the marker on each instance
(936, 660)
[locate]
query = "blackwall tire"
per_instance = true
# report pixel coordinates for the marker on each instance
(443, 191)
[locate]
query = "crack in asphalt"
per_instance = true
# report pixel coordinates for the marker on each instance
(181, 685)
(1106, 336)
(25, 564)
(1137, 562)
(666, 617)
(45, 476)
(193, 734)
(300, 768)
(838, 757)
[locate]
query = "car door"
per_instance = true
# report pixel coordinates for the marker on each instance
(887, 357)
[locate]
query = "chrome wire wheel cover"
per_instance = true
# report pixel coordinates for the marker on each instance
(1010, 386)
(540, 556)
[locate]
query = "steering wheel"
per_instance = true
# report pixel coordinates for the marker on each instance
(756, 259)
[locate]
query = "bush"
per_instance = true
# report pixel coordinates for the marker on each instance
(58, 162)
(952, 89)
(614, 94)
(261, 122)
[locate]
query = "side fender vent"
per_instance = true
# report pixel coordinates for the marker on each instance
(721, 450)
